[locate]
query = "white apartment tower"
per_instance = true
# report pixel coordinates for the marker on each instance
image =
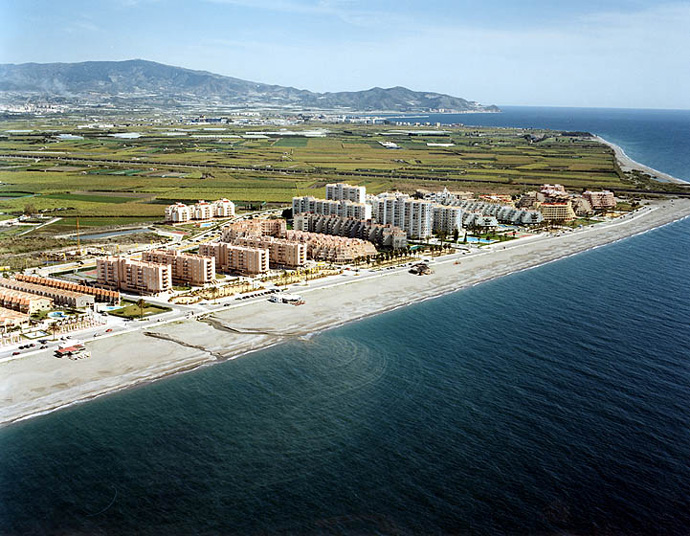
(345, 192)
(223, 208)
(203, 210)
(178, 213)
(331, 207)
(413, 216)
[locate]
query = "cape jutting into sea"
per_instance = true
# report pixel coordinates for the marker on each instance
(549, 401)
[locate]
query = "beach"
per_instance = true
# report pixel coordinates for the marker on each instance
(40, 383)
(628, 164)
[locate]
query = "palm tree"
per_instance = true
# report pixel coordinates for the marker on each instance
(141, 303)
(53, 328)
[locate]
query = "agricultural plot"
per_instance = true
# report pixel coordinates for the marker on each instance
(104, 179)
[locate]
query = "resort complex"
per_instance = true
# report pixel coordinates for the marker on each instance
(321, 237)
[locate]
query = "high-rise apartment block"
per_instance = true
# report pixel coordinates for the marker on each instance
(187, 269)
(345, 192)
(414, 216)
(330, 207)
(281, 252)
(134, 276)
(234, 258)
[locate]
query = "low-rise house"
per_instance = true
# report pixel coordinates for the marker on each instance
(100, 294)
(59, 296)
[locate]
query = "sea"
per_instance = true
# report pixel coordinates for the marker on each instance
(550, 401)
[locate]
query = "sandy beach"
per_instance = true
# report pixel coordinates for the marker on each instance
(628, 164)
(40, 383)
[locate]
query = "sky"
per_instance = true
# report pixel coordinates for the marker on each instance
(603, 53)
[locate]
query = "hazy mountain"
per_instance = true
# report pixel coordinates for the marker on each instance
(154, 83)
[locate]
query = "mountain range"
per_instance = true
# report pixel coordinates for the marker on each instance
(149, 83)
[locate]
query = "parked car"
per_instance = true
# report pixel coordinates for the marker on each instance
(109, 330)
(16, 352)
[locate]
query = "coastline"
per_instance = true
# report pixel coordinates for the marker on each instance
(628, 164)
(40, 383)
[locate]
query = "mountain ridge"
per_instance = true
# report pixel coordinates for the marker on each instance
(145, 81)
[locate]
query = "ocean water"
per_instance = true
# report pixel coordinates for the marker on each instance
(551, 401)
(658, 138)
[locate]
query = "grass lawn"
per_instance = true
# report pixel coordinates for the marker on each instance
(131, 310)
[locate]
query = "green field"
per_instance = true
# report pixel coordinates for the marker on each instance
(132, 310)
(78, 178)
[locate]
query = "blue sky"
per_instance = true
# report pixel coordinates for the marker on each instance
(608, 53)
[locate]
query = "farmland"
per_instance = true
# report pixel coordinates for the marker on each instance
(56, 168)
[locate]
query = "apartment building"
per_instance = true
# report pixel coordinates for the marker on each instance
(384, 235)
(178, 213)
(256, 227)
(282, 252)
(329, 207)
(223, 208)
(414, 216)
(187, 269)
(345, 192)
(203, 210)
(134, 276)
(447, 219)
(337, 249)
(603, 200)
(59, 296)
(234, 258)
(100, 294)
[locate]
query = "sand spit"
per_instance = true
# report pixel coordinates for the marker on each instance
(628, 164)
(41, 383)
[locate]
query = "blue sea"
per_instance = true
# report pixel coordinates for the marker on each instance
(551, 401)
(657, 138)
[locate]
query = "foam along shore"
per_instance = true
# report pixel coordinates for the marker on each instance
(41, 383)
(628, 164)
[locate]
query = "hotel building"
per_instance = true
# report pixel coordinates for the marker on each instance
(134, 276)
(223, 208)
(557, 211)
(187, 269)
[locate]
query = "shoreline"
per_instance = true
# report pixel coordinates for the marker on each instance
(628, 164)
(40, 383)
